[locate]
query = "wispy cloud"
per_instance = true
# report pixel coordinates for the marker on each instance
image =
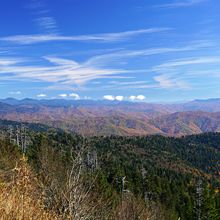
(167, 81)
(69, 73)
(47, 23)
(102, 60)
(180, 4)
(10, 61)
(177, 73)
(187, 62)
(106, 37)
(211, 73)
(36, 5)
(132, 85)
(62, 71)
(3, 51)
(116, 83)
(15, 93)
(42, 17)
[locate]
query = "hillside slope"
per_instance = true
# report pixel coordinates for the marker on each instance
(91, 118)
(160, 171)
(186, 123)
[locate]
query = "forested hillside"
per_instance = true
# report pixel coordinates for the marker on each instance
(97, 118)
(112, 177)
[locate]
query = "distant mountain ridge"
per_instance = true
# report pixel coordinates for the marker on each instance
(212, 105)
(91, 118)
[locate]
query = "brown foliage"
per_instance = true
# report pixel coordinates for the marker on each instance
(21, 198)
(132, 208)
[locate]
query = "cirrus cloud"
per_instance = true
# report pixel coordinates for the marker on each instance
(180, 4)
(107, 37)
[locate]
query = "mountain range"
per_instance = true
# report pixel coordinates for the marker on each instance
(95, 118)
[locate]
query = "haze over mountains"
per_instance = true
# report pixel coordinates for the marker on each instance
(88, 117)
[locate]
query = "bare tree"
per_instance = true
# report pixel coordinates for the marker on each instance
(71, 189)
(92, 160)
(10, 132)
(81, 199)
(199, 195)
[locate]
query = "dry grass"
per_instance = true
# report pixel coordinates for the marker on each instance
(21, 198)
(132, 208)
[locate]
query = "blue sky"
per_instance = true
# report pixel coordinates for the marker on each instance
(137, 50)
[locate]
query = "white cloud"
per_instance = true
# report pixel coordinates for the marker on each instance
(108, 37)
(41, 95)
(164, 81)
(168, 81)
(188, 62)
(178, 74)
(69, 73)
(119, 98)
(74, 96)
(42, 16)
(132, 97)
(112, 98)
(141, 97)
(180, 4)
(106, 59)
(10, 61)
(62, 71)
(15, 93)
(63, 95)
(62, 62)
(137, 98)
(47, 23)
(109, 97)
